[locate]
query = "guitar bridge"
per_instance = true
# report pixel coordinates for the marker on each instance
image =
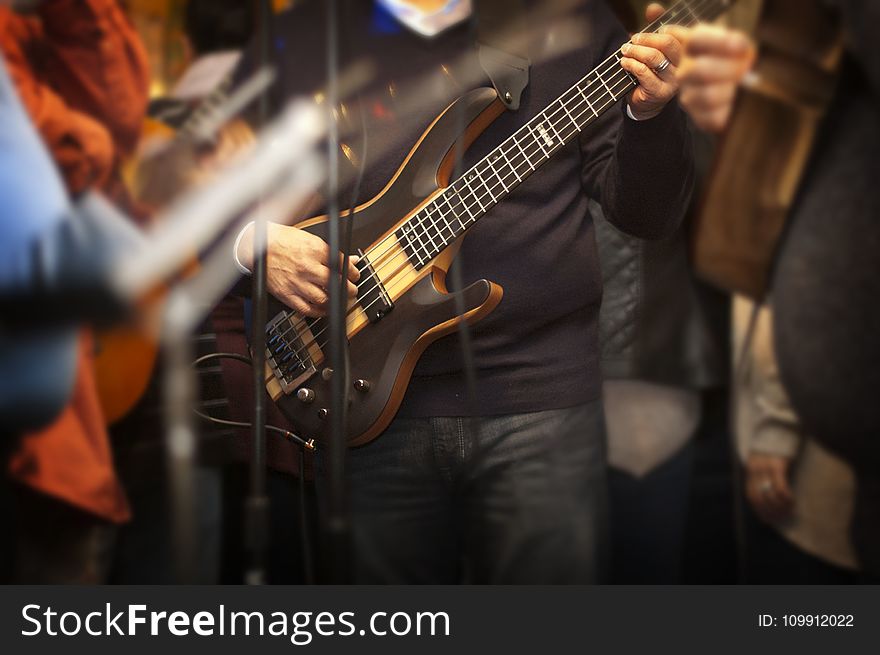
(372, 297)
(291, 351)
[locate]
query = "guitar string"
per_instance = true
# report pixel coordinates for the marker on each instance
(619, 76)
(353, 312)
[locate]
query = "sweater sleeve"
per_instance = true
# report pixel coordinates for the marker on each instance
(97, 63)
(641, 172)
(79, 145)
(774, 428)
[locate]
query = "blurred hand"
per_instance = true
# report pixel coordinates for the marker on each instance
(643, 55)
(298, 273)
(234, 140)
(767, 487)
(715, 61)
(168, 166)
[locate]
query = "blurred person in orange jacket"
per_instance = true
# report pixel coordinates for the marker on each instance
(82, 75)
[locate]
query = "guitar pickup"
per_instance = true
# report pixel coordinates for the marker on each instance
(372, 297)
(290, 350)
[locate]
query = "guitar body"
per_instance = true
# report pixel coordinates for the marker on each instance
(125, 356)
(124, 361)
(384, 353)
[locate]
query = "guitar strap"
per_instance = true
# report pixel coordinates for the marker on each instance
(502, 47)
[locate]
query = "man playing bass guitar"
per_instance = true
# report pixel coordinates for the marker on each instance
(507, 486)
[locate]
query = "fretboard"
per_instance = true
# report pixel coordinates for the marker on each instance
(437, 225)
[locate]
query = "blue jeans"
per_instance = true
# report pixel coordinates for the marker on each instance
(517, 499)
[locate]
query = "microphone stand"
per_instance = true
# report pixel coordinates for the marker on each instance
(181, 440)
(257, 504)
(337, 520)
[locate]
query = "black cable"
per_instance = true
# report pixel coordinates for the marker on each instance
(305, 540)
(287, 434)
(212, 356)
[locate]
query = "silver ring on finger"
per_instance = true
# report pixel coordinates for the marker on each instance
(663, 66)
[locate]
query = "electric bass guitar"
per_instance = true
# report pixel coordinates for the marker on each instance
(406, 238)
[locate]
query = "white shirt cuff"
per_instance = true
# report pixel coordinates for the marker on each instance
(241, 267)
(629, 112)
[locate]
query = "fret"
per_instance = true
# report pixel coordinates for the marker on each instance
(570, 117)
(453, 231)
(525, 156)
(441, 222)
(405, 232)
(417, 223)
(441, 218)
(426, 229)
(539, 139)
(468, 210)
(445, 197)
(513, 170)
(474, 196)
(418, 253)
(428, 232)
(687, 6)
(412, 238)
(587, 100)
(404, 243)
(559, 139)
(459, 213)
(629, 81)
(605, 84)
(479, 177)
(424, 251)
(500, 179)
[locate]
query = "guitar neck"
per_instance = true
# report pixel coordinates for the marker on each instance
(437, 225)
(193, 127)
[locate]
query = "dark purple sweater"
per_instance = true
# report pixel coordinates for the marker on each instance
(539, 349)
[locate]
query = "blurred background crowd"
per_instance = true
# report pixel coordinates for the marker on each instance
(712, 476)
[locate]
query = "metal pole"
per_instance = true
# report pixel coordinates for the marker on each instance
(181, 442)
(257, 506)
(337, 525)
